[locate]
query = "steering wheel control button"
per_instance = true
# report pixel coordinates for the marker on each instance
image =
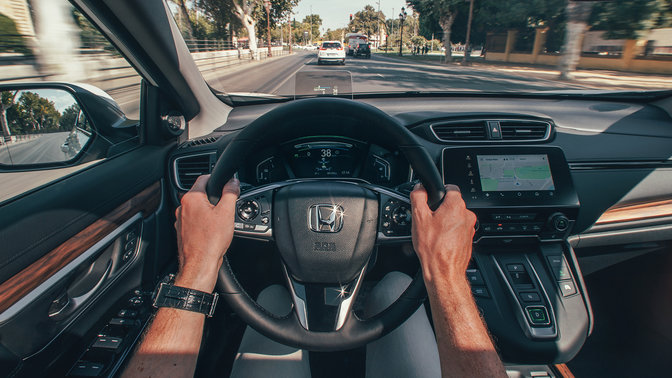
(396, 218)
(537, 315)
(248, 210)
(237, 225)
(474, 277)
(264, 220)
(567, 288)
(559, 267)
(530, 296)
(480, 291)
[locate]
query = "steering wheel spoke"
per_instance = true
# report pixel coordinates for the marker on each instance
(323, 307)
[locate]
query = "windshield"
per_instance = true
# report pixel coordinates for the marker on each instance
(523, 46)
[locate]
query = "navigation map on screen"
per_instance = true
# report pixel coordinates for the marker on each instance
(515, 173)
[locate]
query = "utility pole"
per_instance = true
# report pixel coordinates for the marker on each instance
(311, 25)
(267, 3)
(466, 42)
(290, 31)
(380, 33)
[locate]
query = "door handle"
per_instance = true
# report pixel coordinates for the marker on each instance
(66, 305)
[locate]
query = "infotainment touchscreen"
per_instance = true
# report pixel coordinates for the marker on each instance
(508, 173)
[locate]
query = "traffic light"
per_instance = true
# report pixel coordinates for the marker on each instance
(350, 16)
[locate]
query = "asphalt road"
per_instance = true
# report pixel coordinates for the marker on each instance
(43, 149)
(382, 74)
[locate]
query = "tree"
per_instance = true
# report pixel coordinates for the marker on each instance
(37, 114)
(335, 35)
(278, 12)
(187, 23)
(367, 21)
(444, 11)
(626, 19)
(220, 15)
(577, 22)
(313, 22)
(69, 117)
(7, 99)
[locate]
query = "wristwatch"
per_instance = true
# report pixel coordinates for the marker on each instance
(182, 298)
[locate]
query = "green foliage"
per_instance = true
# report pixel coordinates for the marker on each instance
(627, 19)
(32, 113)
(12, 41)
(278, 11)
(418, 40)
(366, 21)
(69, 117)
(335, 35)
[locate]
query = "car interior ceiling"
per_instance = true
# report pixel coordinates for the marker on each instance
(599, 271)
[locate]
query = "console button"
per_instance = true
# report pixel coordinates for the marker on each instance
(522, 280)
(537, 315)
(559, 267)
(107, 342)
(86, 369)
(125, 313)
(495, 131)
(474, 277)
(248, 210)
(480, 291)
(529, 296)
(568, 288)
(515, 267)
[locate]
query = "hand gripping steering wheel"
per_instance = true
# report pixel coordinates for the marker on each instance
(324, 230)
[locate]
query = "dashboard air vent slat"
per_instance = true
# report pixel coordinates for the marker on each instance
(199, 142)
(524, 130)
(460, 131)
(188, 168)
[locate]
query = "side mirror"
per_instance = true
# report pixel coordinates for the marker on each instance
(46, 125)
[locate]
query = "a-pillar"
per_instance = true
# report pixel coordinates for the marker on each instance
(510, 43)
(540, 35)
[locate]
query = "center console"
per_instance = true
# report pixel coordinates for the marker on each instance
(523, 270)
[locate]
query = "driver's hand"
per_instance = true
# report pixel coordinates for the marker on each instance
(442, 238)
(204, 233)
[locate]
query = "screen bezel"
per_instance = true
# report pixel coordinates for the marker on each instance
(564, 194)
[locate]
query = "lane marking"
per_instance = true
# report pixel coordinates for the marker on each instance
(380, 75)
(277, 87)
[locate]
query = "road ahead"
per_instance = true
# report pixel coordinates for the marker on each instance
(384, 74)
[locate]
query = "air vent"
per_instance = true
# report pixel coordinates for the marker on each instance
(525, 130)
(460, 130)
(188, 168)
(199, 142)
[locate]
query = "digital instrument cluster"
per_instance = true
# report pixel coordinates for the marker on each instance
(330, 158)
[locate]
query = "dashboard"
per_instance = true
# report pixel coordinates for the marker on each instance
(330, 158)
(538, 173)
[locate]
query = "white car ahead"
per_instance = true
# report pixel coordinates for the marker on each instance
(331, 51)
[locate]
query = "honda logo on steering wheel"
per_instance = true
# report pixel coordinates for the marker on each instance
(325, 218)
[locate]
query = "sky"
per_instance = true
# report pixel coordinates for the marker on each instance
(336, 13)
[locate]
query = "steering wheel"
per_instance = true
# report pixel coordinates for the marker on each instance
(324, 230)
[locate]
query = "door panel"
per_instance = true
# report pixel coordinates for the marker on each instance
(73, 250)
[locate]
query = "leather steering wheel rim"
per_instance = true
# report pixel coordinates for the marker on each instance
(337, 117)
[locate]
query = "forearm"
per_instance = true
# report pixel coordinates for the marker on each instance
(170, 347)
(465, 347)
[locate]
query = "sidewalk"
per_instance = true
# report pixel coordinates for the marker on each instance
(590, 79)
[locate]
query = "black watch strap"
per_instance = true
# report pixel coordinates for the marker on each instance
(183, 298)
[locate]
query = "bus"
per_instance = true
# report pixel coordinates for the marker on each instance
(353, 40)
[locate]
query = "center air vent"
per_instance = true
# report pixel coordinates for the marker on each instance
(460, 130)
(188, 168)
(492, 130)
(525, 130)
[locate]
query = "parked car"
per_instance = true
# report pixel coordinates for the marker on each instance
(363, 49)
(331, 51)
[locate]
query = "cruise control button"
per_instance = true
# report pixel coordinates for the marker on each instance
(559, 267)
(568, 288)
(260, 228)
